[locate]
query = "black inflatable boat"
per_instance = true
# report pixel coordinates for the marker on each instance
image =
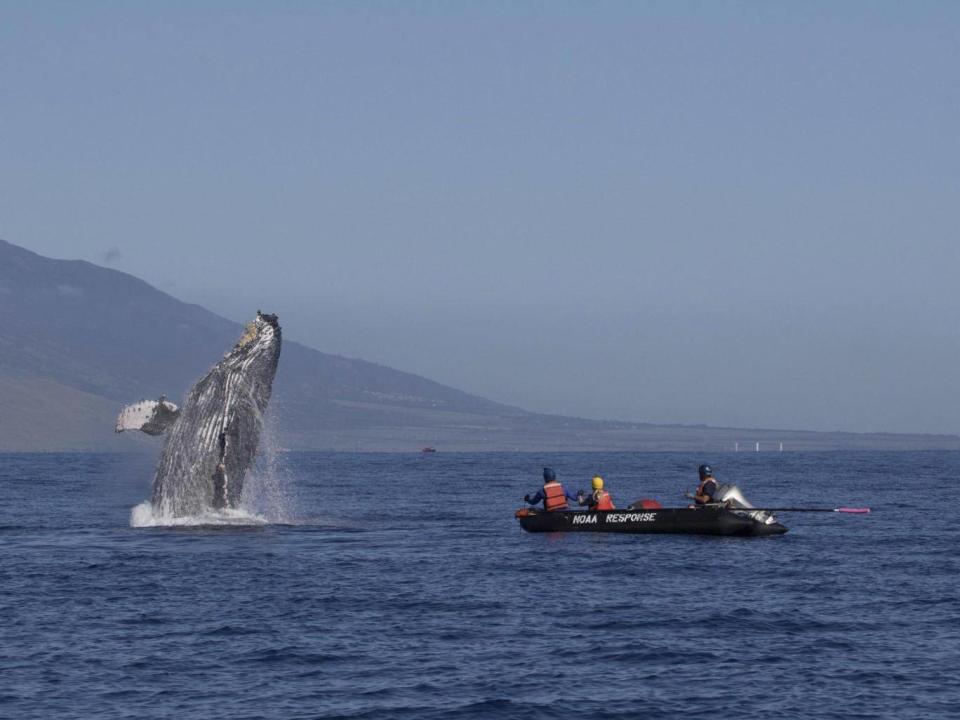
(733, 515)
(705, 520)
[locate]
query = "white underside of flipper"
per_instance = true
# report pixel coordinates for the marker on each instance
(153, 417)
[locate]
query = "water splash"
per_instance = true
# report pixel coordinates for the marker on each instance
(267, 496)
(145, 515)
(268, 491)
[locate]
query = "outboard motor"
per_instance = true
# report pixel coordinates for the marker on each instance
(731, 496)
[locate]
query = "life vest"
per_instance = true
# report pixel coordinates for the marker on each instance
(602, 500)
(703, 484)
(554, 496)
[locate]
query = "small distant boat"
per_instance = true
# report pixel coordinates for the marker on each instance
(428, 450)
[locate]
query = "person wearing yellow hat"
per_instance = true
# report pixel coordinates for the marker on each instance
(599, 499)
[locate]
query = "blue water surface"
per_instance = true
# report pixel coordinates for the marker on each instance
(400, 586)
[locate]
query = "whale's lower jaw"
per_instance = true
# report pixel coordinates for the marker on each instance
(213, 444)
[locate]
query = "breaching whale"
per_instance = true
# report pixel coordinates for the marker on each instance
(212, 439)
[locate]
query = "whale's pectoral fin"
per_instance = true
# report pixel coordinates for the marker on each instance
(219, 477)
(154, 417)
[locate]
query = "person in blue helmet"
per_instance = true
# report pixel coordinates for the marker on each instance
(552, 494)
(706, 489)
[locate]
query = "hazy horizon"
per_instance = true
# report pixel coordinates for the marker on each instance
(742, 215)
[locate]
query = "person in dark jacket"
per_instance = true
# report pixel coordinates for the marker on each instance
(707, 487)
(552, 494)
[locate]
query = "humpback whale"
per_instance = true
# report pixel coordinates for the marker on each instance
(211, 440)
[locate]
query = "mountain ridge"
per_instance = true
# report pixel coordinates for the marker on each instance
(79, 340)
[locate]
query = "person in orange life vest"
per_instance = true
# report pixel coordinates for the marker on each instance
(553, 495)
(599, 499)
(707, 487)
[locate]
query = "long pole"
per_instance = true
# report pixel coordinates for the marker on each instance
(858, 511)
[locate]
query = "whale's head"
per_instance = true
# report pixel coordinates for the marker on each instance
(258, 349)
(261, 329)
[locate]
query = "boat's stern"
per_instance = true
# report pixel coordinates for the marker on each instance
(764, 521)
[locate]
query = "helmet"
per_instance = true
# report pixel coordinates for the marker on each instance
(705, 471)
(549, 475)
(597, 482)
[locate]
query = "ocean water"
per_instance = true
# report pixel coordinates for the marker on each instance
(400, 586)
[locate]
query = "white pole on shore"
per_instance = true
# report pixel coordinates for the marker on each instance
(758, 447)
(736, 447)
(781, 446)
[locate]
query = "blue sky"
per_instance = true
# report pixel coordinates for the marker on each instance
(732, 213)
